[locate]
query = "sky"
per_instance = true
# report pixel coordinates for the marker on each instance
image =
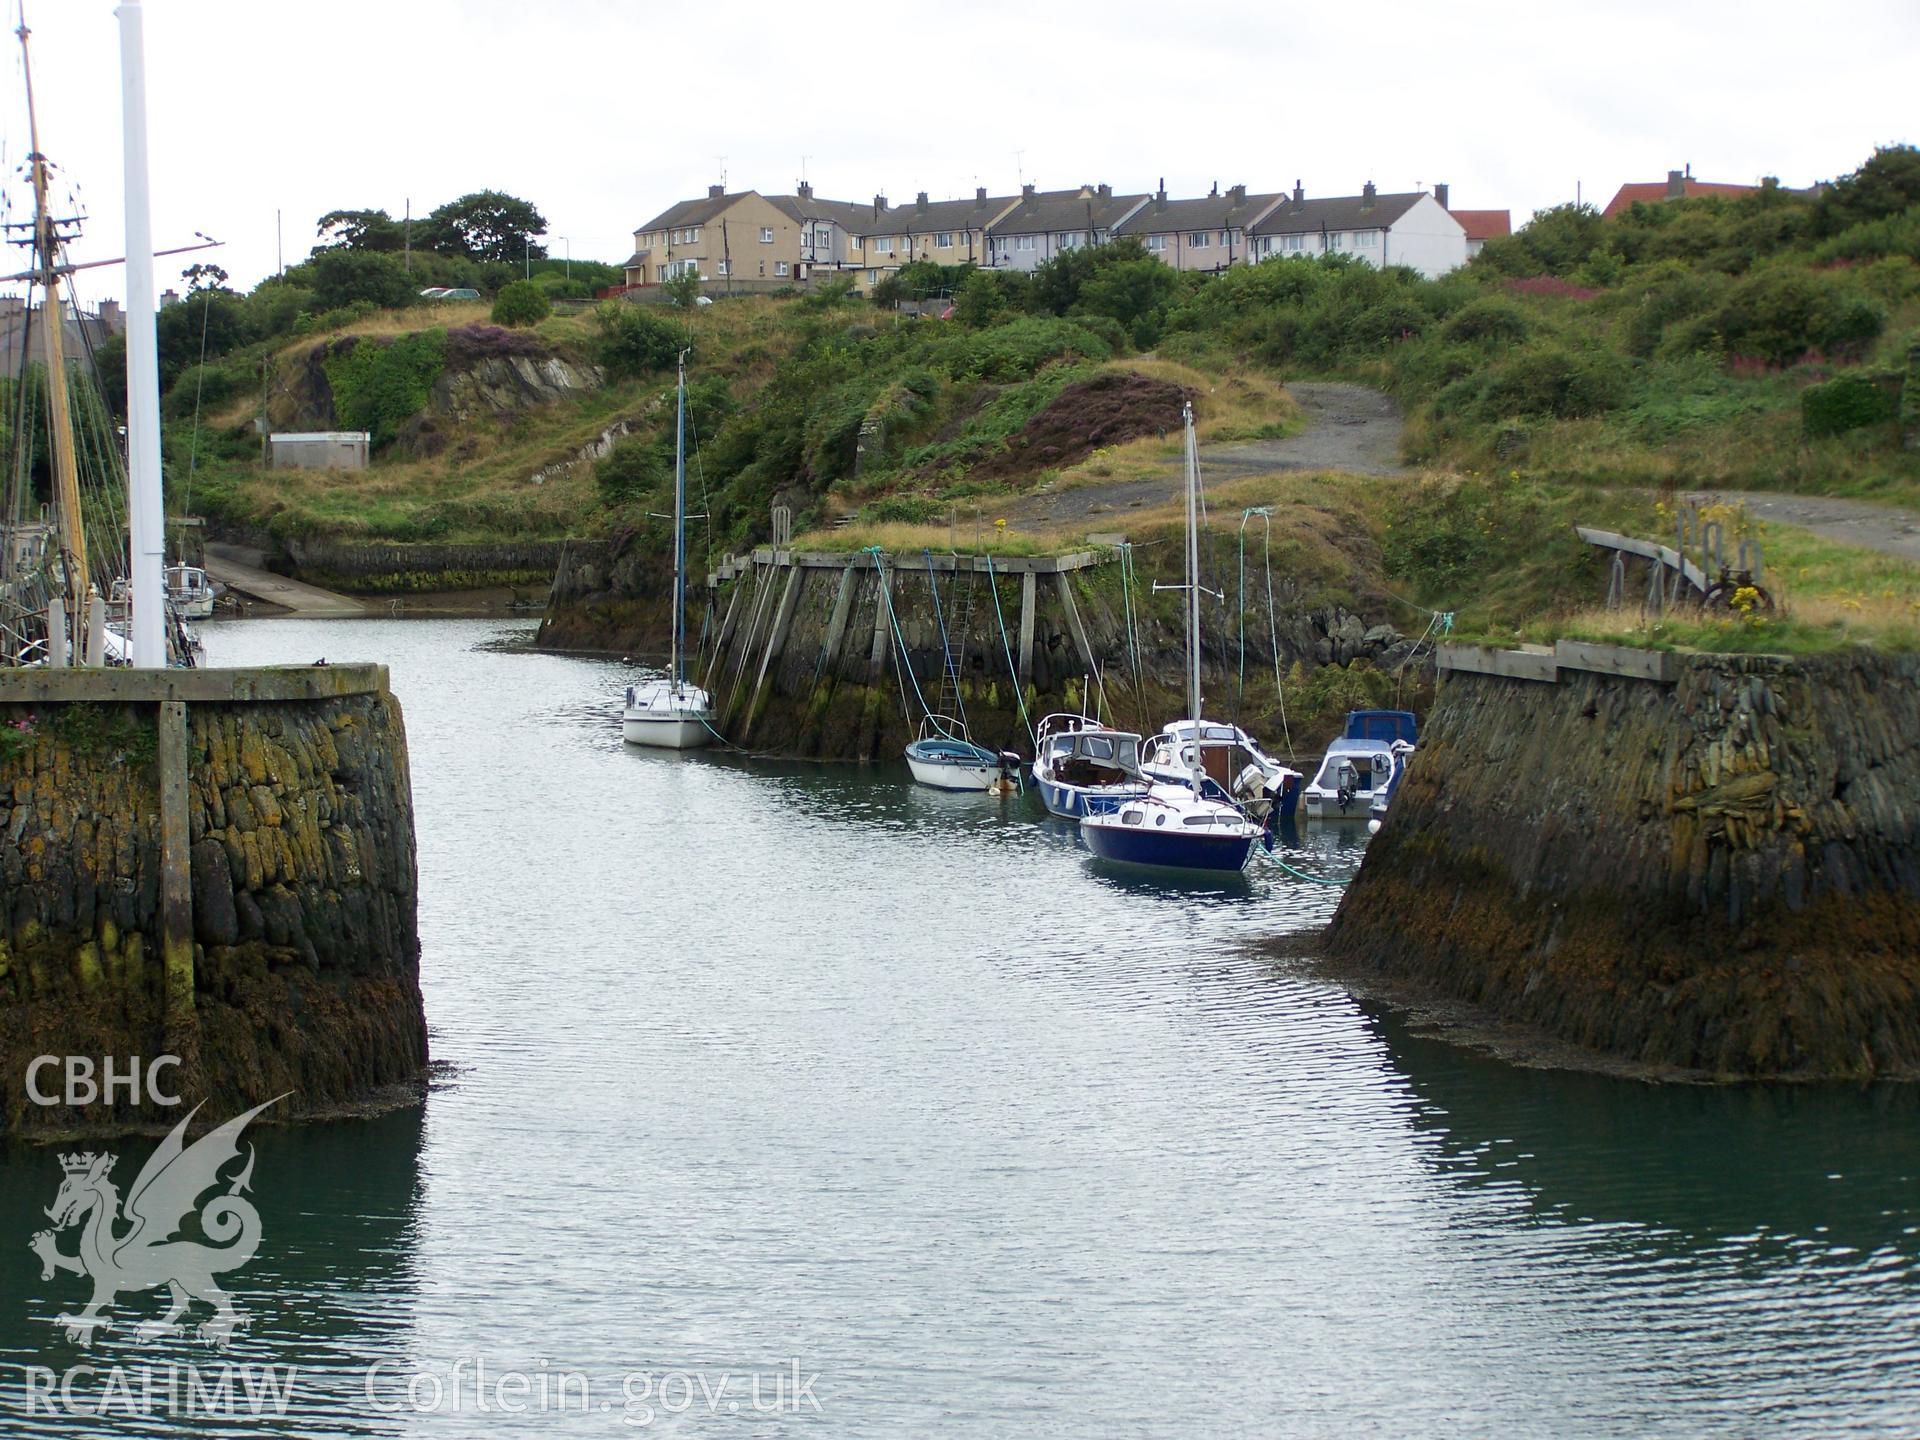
(265, 114)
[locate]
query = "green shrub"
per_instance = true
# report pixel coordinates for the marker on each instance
(1847, 403)
(521, 303)
(1489, 319)
(634, 469)
(378, 384)
(1017, 349)
(1781, 314)
(1552, 380)
(635, 339)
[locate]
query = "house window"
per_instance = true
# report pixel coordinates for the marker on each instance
(873, 277)
(1156, 242)
(1201, 239)
(766, 234)
(883, 245)
(1028, 242)
(1071, 240)
(1368, 239)
(1337, 240)
(779, 267)
(944, 240)
(822, 236)
(723, 269)
(693, 234)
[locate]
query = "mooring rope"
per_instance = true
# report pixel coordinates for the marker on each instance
(993, 584)
(949, 666)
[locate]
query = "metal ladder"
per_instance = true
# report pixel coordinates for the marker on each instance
(948, 700)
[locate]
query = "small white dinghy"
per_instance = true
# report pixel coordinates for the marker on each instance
(944, 757)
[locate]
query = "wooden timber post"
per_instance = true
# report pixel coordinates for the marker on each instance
(776, 639)
(176, 886)
(1029, 591)
(1073, 621)
(837, 622)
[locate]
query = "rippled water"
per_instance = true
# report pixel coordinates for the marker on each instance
(771, 1066)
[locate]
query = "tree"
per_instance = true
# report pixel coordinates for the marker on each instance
(486, 225)
(1555, 242)
(361, 230)
(1886, 185)
(340, 277)
(1134, 292)
(521, 303)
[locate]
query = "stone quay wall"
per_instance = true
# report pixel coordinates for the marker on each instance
(214, 864)
(1708, 863)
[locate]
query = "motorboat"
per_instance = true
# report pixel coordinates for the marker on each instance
(191, 592)
(1082, 767)
(1233, 762)
(945, 757)
(672, 713)
(1358, 774)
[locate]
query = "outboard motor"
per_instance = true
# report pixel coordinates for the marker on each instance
(1347, 785)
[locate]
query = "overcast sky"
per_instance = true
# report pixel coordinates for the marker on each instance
(602, 112)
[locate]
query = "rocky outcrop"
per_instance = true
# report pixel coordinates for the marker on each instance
(489, 371)
(1720, 875)
(304, 973)
(393, 569)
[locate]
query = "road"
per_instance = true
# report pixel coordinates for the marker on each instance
(1885, 528)
(239, 568)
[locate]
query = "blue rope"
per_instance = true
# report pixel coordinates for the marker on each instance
(899, 640)
(948, 666)
(1133, 647)
(993, 583)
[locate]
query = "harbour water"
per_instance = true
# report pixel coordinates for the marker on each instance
(781, 1098)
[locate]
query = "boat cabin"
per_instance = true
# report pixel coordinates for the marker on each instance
(1093, 757)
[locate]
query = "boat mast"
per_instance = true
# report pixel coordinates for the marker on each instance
(145, 511)
(1193, 589)
(66, 475)
(679, 517)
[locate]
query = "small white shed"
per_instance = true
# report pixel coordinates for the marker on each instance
(318, 450)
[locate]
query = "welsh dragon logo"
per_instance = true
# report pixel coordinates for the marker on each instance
(141, 1249)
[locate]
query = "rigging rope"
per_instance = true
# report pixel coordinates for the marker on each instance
(1133, 647)
(1019, 694)
(949, 667)
(899, 640)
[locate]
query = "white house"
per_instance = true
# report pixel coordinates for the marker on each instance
(1413, 230)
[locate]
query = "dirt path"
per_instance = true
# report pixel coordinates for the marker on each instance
(1349, 428)
(240, 569)
(1862, 523)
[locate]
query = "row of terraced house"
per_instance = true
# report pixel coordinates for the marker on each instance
(746, 236)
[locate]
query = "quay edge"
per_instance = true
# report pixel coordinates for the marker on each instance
(1705, 864)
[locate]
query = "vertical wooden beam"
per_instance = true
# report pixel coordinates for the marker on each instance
(776, 638)
(1073, 621)
(176, 885)
(726, 633)
(1029, 588)
(882, 631)
(837, 623)
(762, 587)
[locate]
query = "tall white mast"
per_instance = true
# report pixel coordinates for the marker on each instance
(146, 513)
(1193, 588)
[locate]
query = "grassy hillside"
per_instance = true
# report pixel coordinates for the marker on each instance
(1580, 370)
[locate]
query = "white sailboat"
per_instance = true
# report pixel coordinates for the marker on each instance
(671, 713)
(1176, 826)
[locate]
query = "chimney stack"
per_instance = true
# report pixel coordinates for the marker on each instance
(1026, 192)
(1299, 195)
(879, 204)
(1239, 194)
(979, 194)
(716, 192)
(1106, 192)
(111, 317)
(1676, 184)
(1214, 194)
(1367, 194)
(1440, 194)
(805, 190)
(920, 201)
